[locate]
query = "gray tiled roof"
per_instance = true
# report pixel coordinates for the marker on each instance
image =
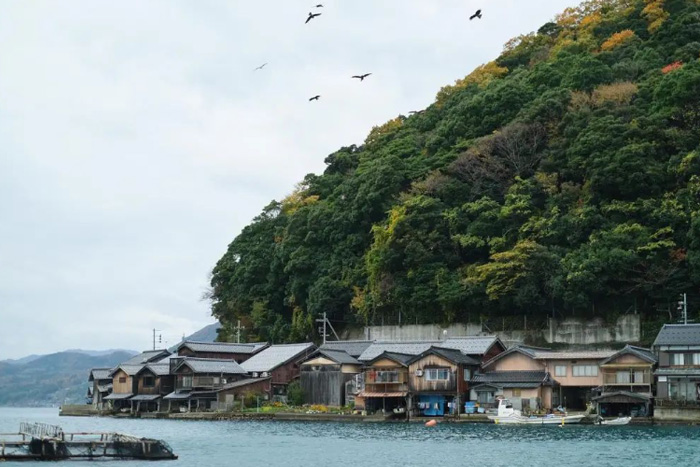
(146, 357)
(158, 369)
(352, 348)
(452, 355)
(537, 353)
(100, 373)
(398, 357)
(406, 348)
(471, 345)
(212, 365)
(130, 370)
(243, 382)
(515, 376)
(339, 356)
(507, 385)
(678, 334)
(223, 347)
(276, 355)
(644, 354)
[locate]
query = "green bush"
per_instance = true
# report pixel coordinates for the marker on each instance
(295, 394)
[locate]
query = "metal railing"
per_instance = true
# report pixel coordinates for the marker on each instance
(41, 430)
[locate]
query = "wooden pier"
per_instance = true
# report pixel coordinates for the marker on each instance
(38, 441)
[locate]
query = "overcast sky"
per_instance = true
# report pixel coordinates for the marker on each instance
(136, 141)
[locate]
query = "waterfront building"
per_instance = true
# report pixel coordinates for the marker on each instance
(123, 386)
(280, 362)
(234, 393)
(528, 390)
(153, 382)
(627, 383)
(328, 378)
(352, 348)
(677, 348)
(197, 381)
(100, 387)
(220, 350)
(438, 381)
(385, 383)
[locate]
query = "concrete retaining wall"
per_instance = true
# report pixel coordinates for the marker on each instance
(675, 414)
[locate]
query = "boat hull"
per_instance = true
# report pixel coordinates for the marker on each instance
(617, 421)
(520, 420)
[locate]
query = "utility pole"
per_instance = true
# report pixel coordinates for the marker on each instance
(683, 308)
(322, 329)
(238, 332)
(160, 338)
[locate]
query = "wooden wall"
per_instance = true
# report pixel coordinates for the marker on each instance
(122, 388)
(324, 386)
(421, 383)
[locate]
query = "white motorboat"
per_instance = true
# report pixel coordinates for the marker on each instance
(615, 421)
(507, 415)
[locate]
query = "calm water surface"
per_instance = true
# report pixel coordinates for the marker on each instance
(272, 444)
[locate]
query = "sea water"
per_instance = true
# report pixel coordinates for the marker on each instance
(272, 443)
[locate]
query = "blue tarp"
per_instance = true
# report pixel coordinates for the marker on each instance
(432, 405)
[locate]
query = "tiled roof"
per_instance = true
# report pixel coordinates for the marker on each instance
(406, 348)
(471, 345)
(130, 370)
(223, 347)
(339, 356)
(397, 357)
(352, 348)
(629, 395)
(147, 356)
(496, 377)
(644, 354)
(506, 386)
(212, 365)
(537, 353)
(678, 334)
(158, 369)
(276, 355)
(452, 355)
(243, 382)
(100, 373)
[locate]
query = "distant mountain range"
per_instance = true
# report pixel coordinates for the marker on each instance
(61, 378)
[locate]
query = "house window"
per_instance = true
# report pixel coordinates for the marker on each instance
(560, 370)
(149, 381)
(696, 359)
(437, 374)
(677, 359)
(516, 393)
(467, 374)
(622, 377)
(485, 397)
(186, 381)
(387, 377)
(585, 370)
(122, 379)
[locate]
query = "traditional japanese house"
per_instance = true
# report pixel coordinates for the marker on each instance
(235, 393)
(325, 377)
(282, 363)
(677, 348)
(124, 386)
(352, 348)
(385, 383)
(148, 356)
(100, 387)
(481, 348)
(627, 383)
(438, 381)
(153, 382)
(220, 350)
(197, 381)
(576, 373)
(528, 390)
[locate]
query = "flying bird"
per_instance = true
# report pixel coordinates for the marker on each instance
(475, 15)
(311, 16)
(362, 77)
(261, 67)
(315, 98)
(319, 6)
(413, 112)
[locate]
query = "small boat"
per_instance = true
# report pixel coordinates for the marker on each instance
(615, 421)
(507, 415)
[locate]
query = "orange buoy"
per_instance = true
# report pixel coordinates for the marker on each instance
(431, 423)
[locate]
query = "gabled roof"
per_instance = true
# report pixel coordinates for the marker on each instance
(624, 394)
(158, 369)
(405, 348)
(100, 373)
(453, 355)
(352, 348)
(338, 356)
(275, 356)
(147, 357)
(211, 365)
(538, 353)
(130, 370)
(223, 347)
(512, 378)
(401, 359)
(472, 345)
(678, 334)
(243, 382)
(644, 354)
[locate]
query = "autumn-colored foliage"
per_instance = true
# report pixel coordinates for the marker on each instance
(617, 39)
(618, 93)
(655, 14)
(671, 67)
(481, 76)
(382, 130)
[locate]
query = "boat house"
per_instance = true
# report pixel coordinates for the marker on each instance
(326, 375)
(153, 382)
(100, 387)
(280, 362)
(385, 383)
(197, 381)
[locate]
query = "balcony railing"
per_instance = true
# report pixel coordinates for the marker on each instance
(633, 379)
(206, 382)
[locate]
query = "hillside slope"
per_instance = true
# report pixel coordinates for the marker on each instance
(51, 380)
(560, 179)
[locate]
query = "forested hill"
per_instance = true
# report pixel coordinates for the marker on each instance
(563, 178)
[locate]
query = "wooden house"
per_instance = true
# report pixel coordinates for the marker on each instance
(280, 362)
(627, 383)
(124, 386)
(234, 393)
(197, 381)
(100, 387)
(325, 377)
(153, 382)
(219, 350)
(438, 381)
(385, 383)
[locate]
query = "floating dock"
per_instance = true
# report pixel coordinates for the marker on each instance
(38, 441)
